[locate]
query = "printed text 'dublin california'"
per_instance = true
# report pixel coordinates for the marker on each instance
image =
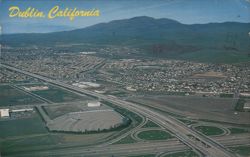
(55, 12)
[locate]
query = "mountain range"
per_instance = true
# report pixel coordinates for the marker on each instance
(216, 42)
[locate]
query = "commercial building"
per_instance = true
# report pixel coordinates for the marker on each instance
(247, 106)
(4, 113)
(94, 104)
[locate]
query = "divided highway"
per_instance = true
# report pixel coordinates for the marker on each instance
(194, 140)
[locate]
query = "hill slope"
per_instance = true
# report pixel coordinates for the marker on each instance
(219, 42)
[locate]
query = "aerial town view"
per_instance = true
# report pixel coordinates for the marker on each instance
(118, 78)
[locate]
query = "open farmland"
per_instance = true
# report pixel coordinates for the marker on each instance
(56, 94)
(209, 108)
(10, 96)
(36, 142)
(242, 150)
(22, 127)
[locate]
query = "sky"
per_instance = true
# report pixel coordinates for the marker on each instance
(184, 11)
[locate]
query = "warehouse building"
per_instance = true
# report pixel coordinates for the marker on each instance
(4, 113)
(94, 104)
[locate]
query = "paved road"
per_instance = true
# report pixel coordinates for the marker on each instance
(153, 147)
(195, 140)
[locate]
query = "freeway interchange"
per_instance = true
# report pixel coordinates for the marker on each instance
(200, 143)
(173, 145)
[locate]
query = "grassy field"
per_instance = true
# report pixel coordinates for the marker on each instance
(154, 135)
(10, 96)
(237, 130)
(14, 146)
(240, 105)
(22, 127)
(182, 154)
(48, 141)
(209, 130)
(226, 95)
(57, 95)
(242, 150)
(126, 140)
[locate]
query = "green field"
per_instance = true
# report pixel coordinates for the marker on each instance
(240, 105)
(154, 135)
(38, 142)
(182, 154)
(22, 127)
(10, 96)
(226, 95)
(209, 130)
(126, 140)
(57, 95)
(242, 150)
(237, 130)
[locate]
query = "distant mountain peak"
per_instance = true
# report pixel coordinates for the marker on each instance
(142, 18)
(155, 37)
(148, 18)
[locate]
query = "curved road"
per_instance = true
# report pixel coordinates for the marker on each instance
(193, 139)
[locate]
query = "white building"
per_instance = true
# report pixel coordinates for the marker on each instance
(130, 88)
(94, 104)
(86, 85)
(247, 106)
(36, 88)
(4, 113)
(23, 110)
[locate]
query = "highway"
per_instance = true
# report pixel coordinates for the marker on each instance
(154, 147)
(193, 139)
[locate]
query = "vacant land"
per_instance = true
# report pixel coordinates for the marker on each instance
(242, 150)
(10, 96)
(57, 95)
(22, 127)
(240, 105)
(210, 108)
(13, 146)
(238, 130)
(49, 141)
